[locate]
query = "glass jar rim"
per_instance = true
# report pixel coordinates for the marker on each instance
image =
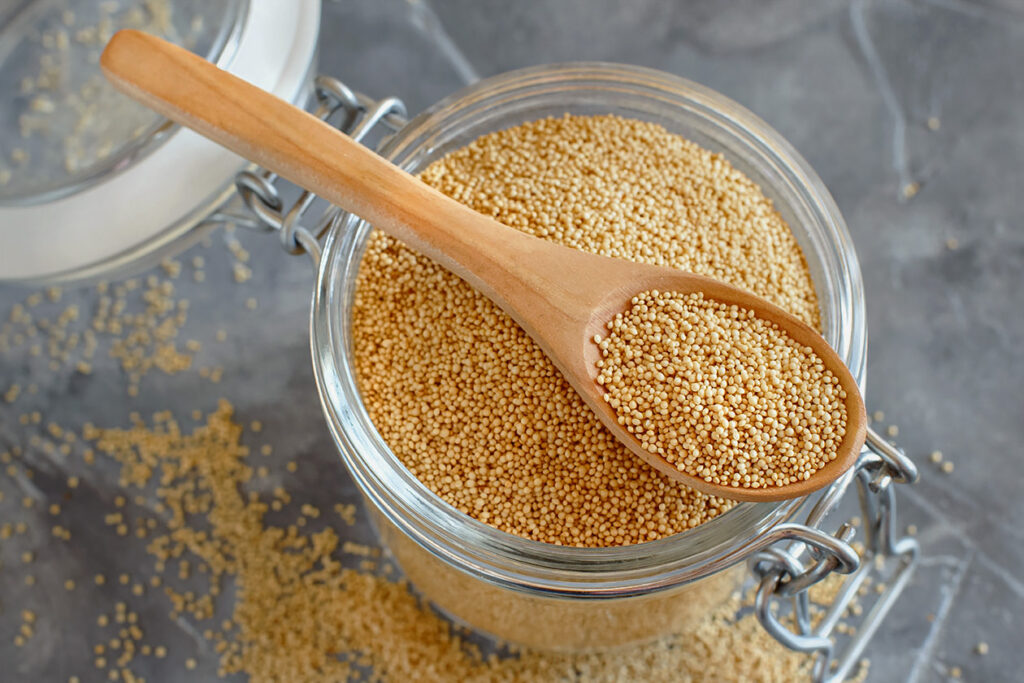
(482, 550)
(184, 179)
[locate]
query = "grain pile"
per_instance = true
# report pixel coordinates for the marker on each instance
(470, 403)
(720, 393)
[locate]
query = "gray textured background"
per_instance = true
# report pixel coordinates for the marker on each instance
(852, 85)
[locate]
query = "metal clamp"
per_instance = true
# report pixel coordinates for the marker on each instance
(803, 557)
(352, 113)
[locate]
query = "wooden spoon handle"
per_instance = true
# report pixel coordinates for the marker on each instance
(298, 146)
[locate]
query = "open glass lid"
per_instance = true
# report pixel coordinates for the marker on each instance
(92, 183)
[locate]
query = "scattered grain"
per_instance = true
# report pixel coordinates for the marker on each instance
(347, 513)
(241, 272)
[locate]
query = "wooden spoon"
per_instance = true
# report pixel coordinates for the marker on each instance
(560, 296)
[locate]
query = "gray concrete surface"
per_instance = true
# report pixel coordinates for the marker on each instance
(853, 86)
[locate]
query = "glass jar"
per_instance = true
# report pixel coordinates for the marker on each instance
(524, 591)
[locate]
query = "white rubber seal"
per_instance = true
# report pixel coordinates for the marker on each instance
(167, 192)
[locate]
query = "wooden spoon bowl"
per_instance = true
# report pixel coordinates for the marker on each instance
(560, 296)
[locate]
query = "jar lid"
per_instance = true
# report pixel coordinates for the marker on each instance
(92, 183)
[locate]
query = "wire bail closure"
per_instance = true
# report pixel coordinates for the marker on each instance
(352, 113)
